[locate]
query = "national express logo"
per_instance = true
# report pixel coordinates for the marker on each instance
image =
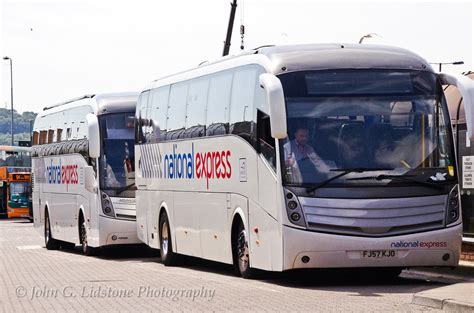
(419, 244)
(200, 165)
(62, 174)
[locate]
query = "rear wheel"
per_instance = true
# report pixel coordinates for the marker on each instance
(86, 249)
(241, 253)
(50, 242)
(168, 257)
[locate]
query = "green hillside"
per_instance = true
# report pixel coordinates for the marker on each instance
(21, 126)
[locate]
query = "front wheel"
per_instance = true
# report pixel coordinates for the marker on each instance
(168, 257)
(86, 249)
(241, 254)
(50, 242)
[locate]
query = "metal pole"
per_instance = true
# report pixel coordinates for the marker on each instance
(31, 134)
(11, 94)
(440, 67)
(229, 28)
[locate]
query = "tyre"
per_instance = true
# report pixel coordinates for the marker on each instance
(168, 257)
(241, 254)
(50, 242)
(86, 249)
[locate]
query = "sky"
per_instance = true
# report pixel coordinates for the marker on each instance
(62, 49)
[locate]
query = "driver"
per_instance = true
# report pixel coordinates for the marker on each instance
(297, 154)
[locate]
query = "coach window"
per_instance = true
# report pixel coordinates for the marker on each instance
(196, 108)
(142, 123)
(242, 120)
(157, 113)
(217, 119)
(35, 138)
(50, 135)
(43, 138)
(265, 141)
(177, 111)
(59, 132)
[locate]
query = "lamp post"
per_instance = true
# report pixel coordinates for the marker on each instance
(11, 92)
(450, 63)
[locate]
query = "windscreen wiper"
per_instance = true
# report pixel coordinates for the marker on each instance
(404, 177)
(119, 191)
(345, 171)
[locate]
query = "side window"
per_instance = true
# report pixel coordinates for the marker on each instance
(177, 111)
(43, 138)
(141, 121)
(265, 141)
(50, 135)
(35, 138)
(157, 113)
(218, 103)
(196, 108)
(73, 131)
(242, 119)
(59, 132)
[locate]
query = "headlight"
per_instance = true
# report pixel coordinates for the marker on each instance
(293, 209)
(107, 207)
(453, 207)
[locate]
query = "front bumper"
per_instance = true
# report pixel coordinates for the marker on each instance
(117, 232)
(331, 251)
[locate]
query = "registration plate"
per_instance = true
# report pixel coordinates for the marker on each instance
(378, 254)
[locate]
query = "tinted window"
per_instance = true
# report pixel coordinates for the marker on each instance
(266, 143)
(177, 111)
(242, 121)
(158, 112)
(196, 108)
(218, 104)
(141, 119)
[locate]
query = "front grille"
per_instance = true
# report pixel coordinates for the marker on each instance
(374, 217)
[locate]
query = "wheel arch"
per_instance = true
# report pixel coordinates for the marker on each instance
(80, 216)
(164, 208)
(238, 216)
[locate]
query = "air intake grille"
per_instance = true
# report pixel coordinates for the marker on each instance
(375, 217)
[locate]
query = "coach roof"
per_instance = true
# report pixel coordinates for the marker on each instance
(106, 103)
(341, 56)
(290, 58)
(116, 102)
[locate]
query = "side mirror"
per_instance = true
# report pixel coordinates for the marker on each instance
(465, 86)
(276, 103)
(93, 134)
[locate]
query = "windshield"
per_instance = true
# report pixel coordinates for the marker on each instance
(19, 190)
(117, 160)
(359, 119)
(15, 158)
